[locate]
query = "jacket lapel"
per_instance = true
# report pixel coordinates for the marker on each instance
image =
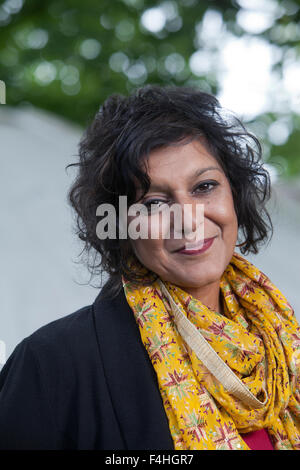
(130, 376)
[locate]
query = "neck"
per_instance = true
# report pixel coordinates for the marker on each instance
(209, 295)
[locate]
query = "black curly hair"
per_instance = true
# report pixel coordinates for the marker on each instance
(112, 153)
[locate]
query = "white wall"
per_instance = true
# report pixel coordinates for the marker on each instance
(37, 245)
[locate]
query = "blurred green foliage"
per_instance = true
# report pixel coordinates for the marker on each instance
(67, 56)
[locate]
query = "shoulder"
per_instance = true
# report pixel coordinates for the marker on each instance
(72, 333)
(70, 326)
(60, 345)
(75, 345)
(75, 337)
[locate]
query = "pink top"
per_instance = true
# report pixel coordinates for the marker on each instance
(258, 440)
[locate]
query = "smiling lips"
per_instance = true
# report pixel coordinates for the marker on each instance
(201, 246)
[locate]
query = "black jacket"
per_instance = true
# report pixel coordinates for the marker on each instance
(84, 381)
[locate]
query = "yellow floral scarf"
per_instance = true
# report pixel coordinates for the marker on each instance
(257, 337)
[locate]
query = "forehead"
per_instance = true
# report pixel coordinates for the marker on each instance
(180, 163)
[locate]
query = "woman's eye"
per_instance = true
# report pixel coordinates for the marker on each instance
(153, 204)
(207, 186)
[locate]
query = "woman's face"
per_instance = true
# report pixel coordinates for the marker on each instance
(172, 174)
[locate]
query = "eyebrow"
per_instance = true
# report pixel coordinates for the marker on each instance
(193, 176)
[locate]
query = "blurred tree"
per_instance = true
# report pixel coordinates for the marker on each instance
(67, 56)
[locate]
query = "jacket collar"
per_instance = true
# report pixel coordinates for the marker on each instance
(130, 376)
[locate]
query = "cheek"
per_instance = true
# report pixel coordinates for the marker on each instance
(230, 223)
(148, 251)
(224, 215)
(153, 255)
(227, 213)
(225, 202)
(153, 234)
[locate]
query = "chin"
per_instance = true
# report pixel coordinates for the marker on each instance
(195, 281)
(199, 277)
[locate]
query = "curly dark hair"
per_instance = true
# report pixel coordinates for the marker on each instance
(112, 154)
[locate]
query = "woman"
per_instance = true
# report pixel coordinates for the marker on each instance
(188, 345)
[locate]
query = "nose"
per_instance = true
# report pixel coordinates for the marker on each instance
(188, 221)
